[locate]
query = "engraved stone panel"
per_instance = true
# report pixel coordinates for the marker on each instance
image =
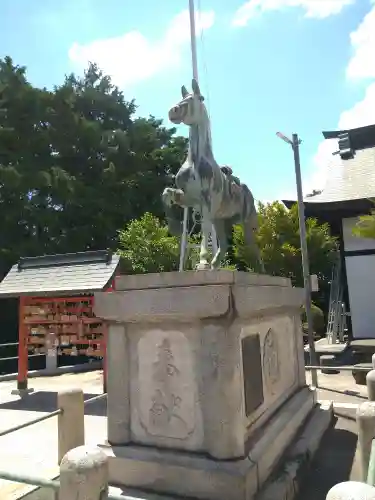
(252, 373)
(271, 361)
(167, 387)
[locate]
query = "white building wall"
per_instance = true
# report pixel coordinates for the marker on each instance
(360, 273)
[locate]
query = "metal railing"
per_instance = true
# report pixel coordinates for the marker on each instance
(10, 344)
(356, 368)
(71, 434)
(51, 484)
(13, 358)
(48, 416)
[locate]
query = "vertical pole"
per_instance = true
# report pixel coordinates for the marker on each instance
(194, 60)
(193, 40)
(305, 258)
(22, 348)
(193, 43)
(104, 351)
(183, 246)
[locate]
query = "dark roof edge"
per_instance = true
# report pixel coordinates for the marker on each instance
(333, 134)
(54, 293)
(313, 208)
(65, 259)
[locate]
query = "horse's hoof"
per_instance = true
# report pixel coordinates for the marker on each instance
(203, 266)
(215, 266)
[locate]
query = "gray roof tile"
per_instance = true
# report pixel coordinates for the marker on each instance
(60, 274)
(352, 179)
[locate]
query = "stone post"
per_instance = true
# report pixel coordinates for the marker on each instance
(370, 382)
(351, 490)
(51, 354)
(84, 474)
(366, 433)
(71, 422)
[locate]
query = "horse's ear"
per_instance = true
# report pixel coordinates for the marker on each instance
(195, 86)
(184, 91)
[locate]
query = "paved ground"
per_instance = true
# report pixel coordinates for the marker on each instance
(340, 388)
(336, 460)
(34, 449)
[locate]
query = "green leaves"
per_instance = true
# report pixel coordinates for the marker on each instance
(76, 164)
(279, 241)
(146, 247)
(365, 227)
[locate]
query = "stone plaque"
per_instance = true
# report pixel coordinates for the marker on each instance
(166, 384)
(252, 373)
(271, 361)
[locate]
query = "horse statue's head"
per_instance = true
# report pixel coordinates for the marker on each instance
(190, 110)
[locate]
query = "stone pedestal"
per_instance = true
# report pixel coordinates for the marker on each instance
(206, 380)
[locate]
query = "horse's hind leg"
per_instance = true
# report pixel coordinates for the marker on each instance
(220, 226)
(204, 253)
(250, 226)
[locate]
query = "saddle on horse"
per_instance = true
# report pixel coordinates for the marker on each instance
(231, 178)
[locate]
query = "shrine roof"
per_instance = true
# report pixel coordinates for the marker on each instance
(63, 274)
(351, 177)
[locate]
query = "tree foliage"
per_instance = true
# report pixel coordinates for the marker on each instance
(145, 246)
(365, 227)
(279, 242)
(76, 164)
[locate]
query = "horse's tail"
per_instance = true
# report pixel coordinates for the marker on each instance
(174, 216)
(249, 209)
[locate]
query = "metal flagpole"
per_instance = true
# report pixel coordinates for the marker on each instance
(194, 60)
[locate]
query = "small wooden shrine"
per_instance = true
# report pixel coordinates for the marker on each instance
(348, 194)
(56, 304)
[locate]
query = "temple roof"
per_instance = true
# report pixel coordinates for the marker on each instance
(65, 274)
(351, 174)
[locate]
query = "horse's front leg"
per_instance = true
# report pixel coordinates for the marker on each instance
(172, 196)
(204, 253)
(222, 238)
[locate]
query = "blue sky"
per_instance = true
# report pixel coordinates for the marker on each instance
(291, 65)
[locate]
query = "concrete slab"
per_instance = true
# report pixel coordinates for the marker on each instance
(322, 347)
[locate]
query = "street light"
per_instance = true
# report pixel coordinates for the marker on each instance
(294, 143)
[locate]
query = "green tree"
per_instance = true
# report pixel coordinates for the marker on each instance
(76, 164)
(365, 227)
(279, 242)
(145, 246)
(24, 156)
(115, 165)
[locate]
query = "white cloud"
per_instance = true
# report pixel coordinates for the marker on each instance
(132, 57)
(361, 66)
(319, 9)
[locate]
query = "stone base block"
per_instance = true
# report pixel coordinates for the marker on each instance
(197, 476)
(22, 392)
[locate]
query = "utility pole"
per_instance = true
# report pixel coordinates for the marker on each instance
(295, 143)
